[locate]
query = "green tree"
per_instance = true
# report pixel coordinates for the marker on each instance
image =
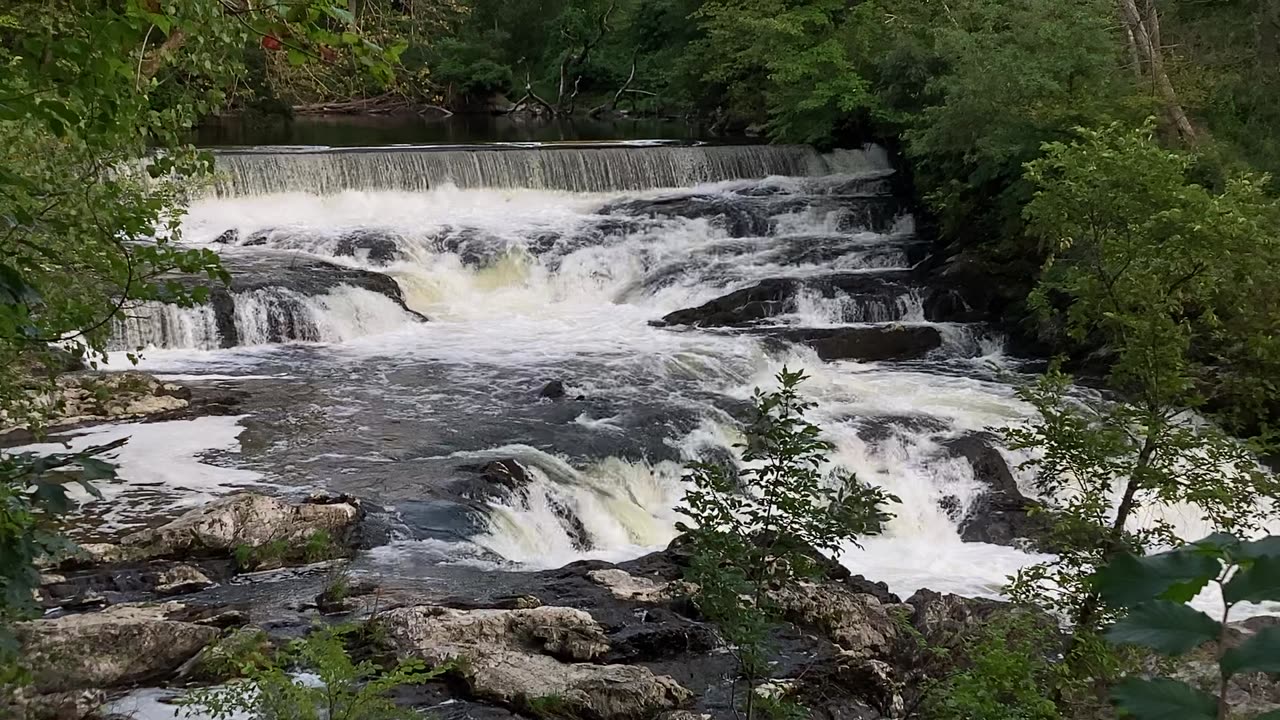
(781, 61)
(765, 524)
(1140, 269)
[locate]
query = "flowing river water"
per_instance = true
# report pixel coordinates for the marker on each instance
(533, 264)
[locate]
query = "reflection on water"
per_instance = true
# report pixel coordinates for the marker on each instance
(348, 130)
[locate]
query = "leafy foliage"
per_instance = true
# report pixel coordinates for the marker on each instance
(1005, 670)
(1154, 590)
(95, 101)
(1142, 268)
(767, 523)
(343, 689)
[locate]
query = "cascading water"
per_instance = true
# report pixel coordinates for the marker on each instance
(260, 317)
(600, 169)
(534, 266)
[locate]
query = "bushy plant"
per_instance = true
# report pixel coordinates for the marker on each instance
(342, 689)
(767, 523)
(1005, 674)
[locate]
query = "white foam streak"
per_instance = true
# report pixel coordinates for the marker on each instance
(161, 470)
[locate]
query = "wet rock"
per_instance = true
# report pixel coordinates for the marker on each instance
(1001, 514)
(856, 623)
(221, 660)
(126, 395)
(258, 238)
(242, 520)
(625, 586)
(1248, 694)
(663, 635)
(868, 344)
(228, 237)
(370, 246)
(850, 687)
(777, 296)
(946, 620)
(72, 705)
(182, 579)
(118, 646)
(301, 275)
(553, 390)
(497, 480)
(737, 216)
(878, 590)
(526, 658)
(878, 428)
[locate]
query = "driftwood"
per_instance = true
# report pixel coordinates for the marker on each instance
(612, 105)
(369, 106)
(530, 97)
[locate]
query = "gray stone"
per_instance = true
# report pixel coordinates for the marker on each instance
(525, 658)
(121, 645)
(181, 579)
(242, 519)
(625, 586)
(857, 623)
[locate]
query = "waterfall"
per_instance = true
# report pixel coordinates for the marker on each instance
(539, 264)
(260, 317)
(163, 325)
(601, 169)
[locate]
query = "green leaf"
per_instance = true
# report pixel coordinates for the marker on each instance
(14, 290)
(1266, 547)
(1177, 575)
(296, 57)
(1169, 628)
(1258, 581)
(340, 14)
(52, 496)
(95, 469)
(1163, 699)
(1260, 653)
(1273, 715)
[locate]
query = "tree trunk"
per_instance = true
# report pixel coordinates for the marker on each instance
(1145, 28)
(1268, 30)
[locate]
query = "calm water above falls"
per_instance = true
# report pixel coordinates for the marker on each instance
(542, 264)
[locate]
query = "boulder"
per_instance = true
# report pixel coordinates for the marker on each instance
(777, 296)
(117, 396)
(241, 520)
(371, 246)
(71, 705)
(1000, 514)
(866, 343)
(945, 620)
(849, 687)
(228, 237)
(858, 624)
(182, 579)
(737, 216)
(531, 659)
(553, 390)
(662, 635)
(625, 586)
(121, 645)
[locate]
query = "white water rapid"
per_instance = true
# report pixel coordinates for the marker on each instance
(533, 265)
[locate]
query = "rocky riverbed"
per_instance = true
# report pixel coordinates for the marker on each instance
(606, 641)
